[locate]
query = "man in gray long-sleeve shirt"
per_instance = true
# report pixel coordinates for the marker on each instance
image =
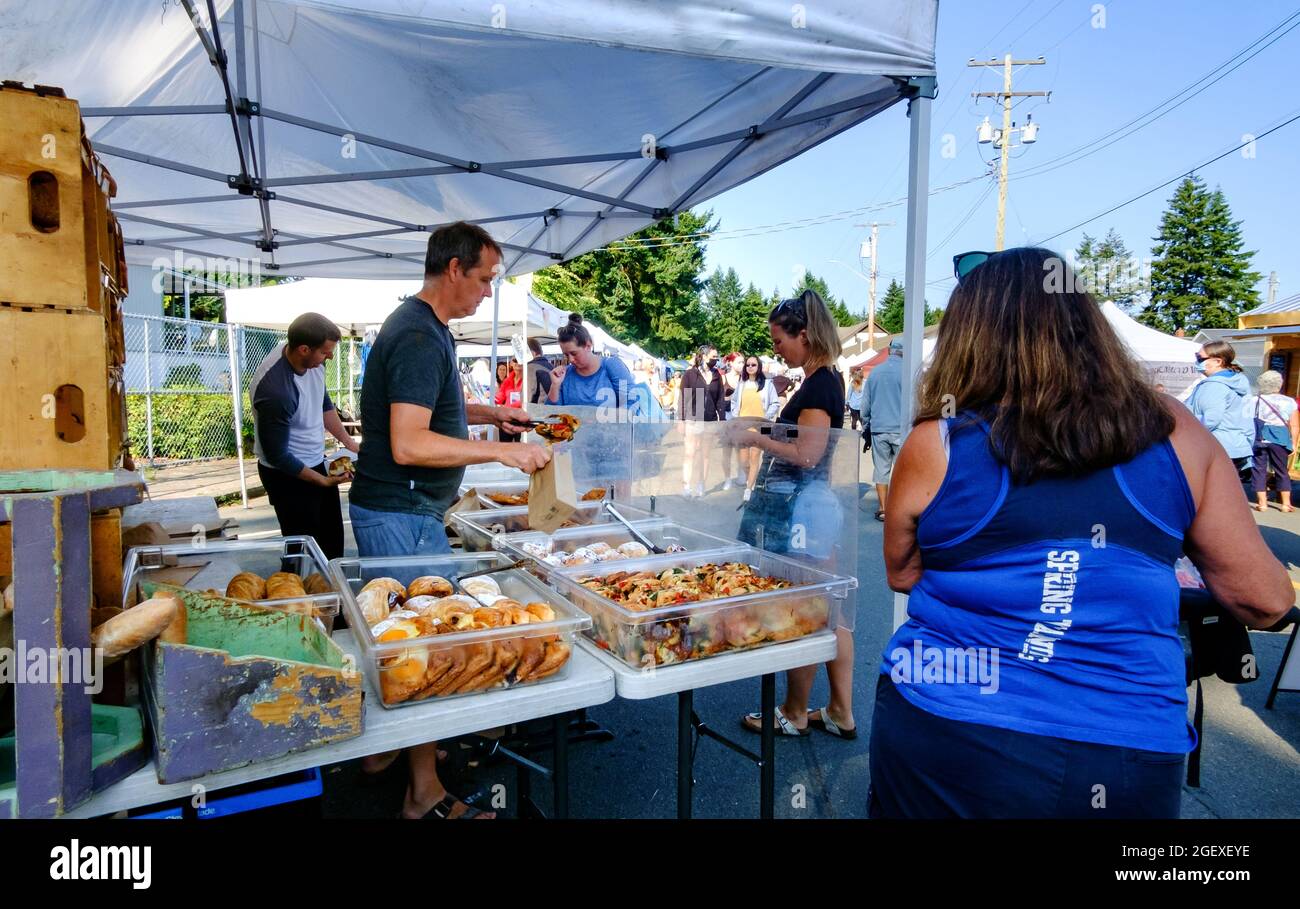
(882, 411)
(291, 413)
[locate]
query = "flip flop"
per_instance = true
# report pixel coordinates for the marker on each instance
(880, 516)
(753, 722)
(827, 725)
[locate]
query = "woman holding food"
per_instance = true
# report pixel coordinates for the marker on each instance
(794, 491)
(585, 379)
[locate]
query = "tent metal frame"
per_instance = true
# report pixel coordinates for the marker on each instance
(253, 182)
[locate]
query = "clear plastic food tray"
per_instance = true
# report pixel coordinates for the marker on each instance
(477, 528)
(210, 565)
(691, 631)
(416, 669)
(507, 487)
(660, 531)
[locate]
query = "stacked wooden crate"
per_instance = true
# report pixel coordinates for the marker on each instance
(62, 282)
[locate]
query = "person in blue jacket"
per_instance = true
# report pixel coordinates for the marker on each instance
(1218, 402)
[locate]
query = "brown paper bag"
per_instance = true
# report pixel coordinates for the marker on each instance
(552, 499)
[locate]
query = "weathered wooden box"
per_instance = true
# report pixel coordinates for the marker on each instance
(250, 684)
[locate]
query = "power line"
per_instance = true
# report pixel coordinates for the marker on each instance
(1092, 147)
(1180, 176)
(759, 229)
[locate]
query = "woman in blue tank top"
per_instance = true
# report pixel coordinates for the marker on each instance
(1036, 512)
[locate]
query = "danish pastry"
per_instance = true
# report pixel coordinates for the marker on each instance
(429, 586)
(396, 591)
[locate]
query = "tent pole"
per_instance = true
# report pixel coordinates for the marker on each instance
(496, 319)
(918, 197)
(236, 391)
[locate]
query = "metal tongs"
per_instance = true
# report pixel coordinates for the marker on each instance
(636, 534)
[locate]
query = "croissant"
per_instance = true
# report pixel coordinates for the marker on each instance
(441, 662)
(534, 650)
(504, 659)
(478, 658)
(541, 611)
(421, 604)
(429, 586)
(246, 586)
(284, 584)
(316, 583)
(519, 615)
(557, 654)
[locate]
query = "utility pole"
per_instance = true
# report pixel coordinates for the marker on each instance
(870, 248)
(1002, 138)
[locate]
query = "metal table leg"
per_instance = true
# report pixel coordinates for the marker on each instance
(560, 769)
(767, 766)
(685, 738)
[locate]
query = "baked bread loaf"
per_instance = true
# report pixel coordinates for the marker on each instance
(246, 586)
(177, 628)
(143, 622)
(430, 586)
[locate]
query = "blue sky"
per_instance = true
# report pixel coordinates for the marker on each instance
(1100, 79)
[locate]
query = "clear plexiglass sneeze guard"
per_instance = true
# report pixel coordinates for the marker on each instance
(807, 513)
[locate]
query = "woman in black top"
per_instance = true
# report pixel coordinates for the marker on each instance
(794, 490)
(703, 401)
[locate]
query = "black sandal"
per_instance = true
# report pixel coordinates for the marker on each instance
(880, 516)
(442, 809)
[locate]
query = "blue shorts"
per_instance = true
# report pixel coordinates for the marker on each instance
(397, 533)
(926, 766)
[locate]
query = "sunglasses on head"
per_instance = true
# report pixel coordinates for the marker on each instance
(965, 263)
(795, 307)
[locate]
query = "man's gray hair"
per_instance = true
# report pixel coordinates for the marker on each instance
(1270, 382)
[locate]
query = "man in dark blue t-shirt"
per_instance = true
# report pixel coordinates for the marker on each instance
(415, 441)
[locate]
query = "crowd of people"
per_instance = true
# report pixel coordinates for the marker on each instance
(990, 507)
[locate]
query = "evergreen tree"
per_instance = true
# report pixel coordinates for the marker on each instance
(889, 314)
(737, 318)
(839, 311)
(647, 293)
(1108, 271)
(1201, 277)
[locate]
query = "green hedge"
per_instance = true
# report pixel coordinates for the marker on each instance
(187, 425)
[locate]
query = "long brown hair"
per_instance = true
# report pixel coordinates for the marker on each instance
(1020, 348)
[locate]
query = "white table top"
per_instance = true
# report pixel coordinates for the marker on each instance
(587, 684)
(639, 684)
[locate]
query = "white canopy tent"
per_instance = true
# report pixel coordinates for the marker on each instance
(327, 138)
(354, 304)
(1168, 361)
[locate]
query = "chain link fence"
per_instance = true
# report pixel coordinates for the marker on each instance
(182, 403)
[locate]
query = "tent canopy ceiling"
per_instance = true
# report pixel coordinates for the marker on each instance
(359, 127)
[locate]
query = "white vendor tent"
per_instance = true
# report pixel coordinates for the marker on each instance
(353, 304)
(1168, 361)
(327, 137)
